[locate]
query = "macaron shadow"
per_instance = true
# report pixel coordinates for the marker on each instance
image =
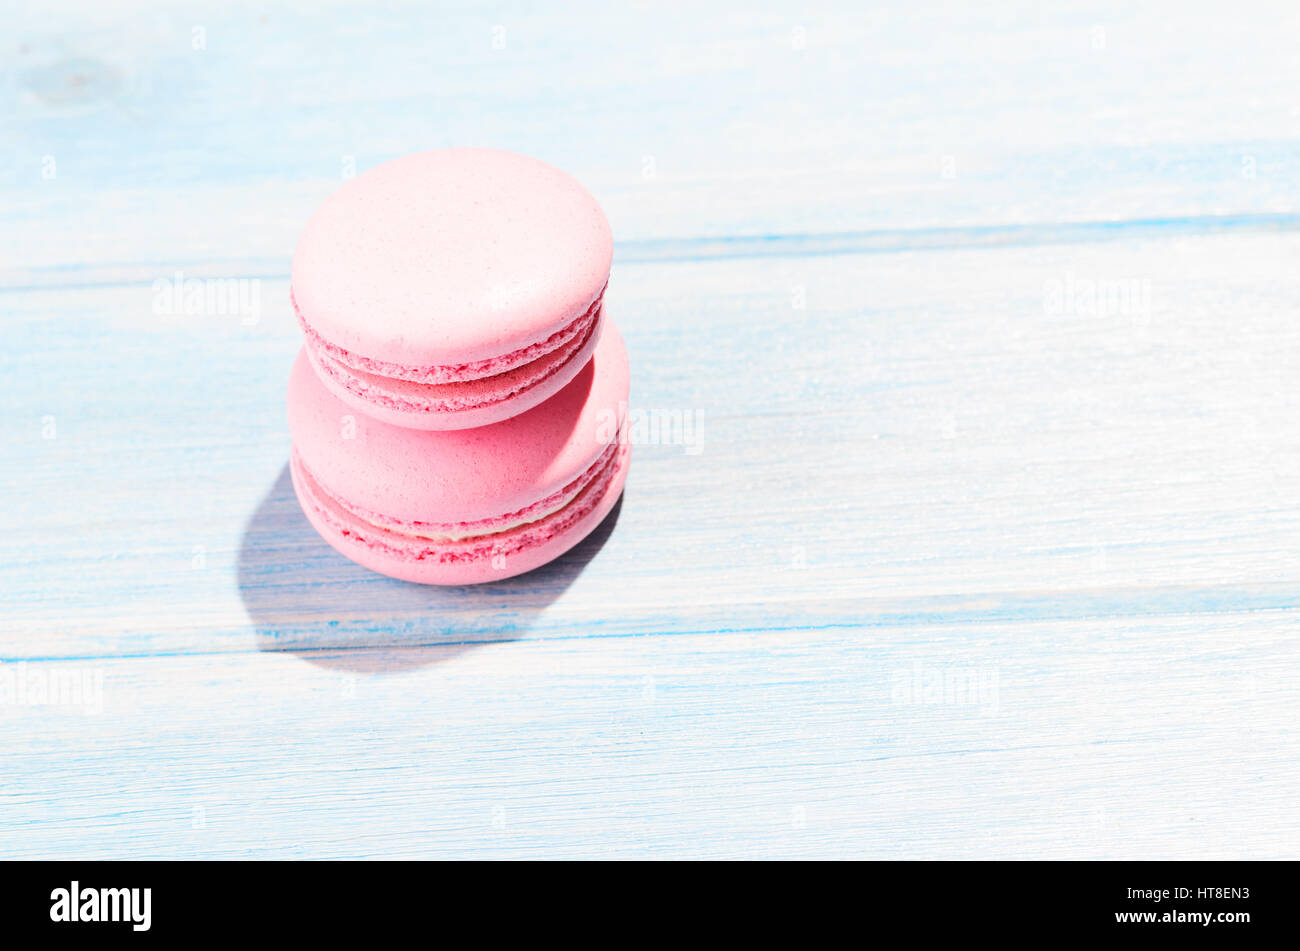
(305, 598)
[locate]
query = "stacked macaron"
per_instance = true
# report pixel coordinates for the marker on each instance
(457, 408)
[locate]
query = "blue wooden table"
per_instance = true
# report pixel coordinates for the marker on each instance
(963, 522)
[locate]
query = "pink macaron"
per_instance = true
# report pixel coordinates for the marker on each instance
(469, 505)
(453, 288)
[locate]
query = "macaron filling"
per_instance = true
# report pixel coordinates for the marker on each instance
(451, 388)
(450, 542)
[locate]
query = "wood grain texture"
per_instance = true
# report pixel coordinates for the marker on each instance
(984, 542)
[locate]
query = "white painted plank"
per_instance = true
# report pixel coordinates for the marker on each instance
(933, 436)
(822, 119)
(1149, 738)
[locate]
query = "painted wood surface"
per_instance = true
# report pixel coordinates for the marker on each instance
(981, 541)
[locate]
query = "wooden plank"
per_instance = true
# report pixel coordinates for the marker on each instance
(932, 431)
(820, 121)
(1025, 739)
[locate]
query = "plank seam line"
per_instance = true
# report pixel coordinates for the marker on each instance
(965, 237)
(873, 623)
(739, 247)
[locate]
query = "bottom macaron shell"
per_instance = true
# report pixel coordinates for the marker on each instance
(413, 405)
(476, 571)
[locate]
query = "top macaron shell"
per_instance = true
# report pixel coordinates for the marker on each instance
(460, 475)
(450, 257)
